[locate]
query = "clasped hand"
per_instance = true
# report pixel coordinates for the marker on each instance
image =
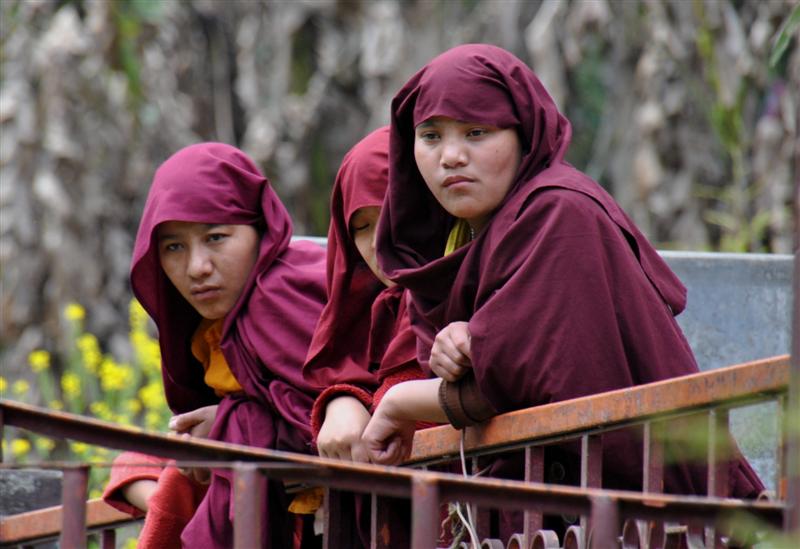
(196, 423)
(451, 354)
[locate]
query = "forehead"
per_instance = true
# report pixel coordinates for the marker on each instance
(172, 229)
(439, 121)
(366, 213)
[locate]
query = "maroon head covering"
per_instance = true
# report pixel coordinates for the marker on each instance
(563, 295)
(266, 334)
(485, 84)
(362, 335)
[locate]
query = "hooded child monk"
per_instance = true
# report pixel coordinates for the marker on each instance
(235, 304)
(363, 343)
(529, 284)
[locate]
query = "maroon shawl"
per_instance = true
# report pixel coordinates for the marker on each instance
(363, 334)
(266, 335)
(563, 294)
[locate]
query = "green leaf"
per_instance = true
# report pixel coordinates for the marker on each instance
(784, 36)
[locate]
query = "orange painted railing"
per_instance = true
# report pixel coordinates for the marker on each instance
(646, 519)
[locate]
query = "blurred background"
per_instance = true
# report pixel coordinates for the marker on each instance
(685, 110)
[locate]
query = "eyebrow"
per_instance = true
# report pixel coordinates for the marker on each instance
(426, 124)
(170, 236)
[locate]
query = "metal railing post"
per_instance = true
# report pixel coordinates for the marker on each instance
(604, 524)
(534, 472)
(73, 504)
(424, 512)
(249, 496)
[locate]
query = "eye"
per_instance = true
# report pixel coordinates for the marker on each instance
(172, 247)
(216, 237)
(359, 227)
(477, 132)
(428, 136)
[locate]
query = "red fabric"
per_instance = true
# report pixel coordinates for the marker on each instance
(364, 334)
(338, 353)
(563, 295)
(128, 467)
(341, 389)
(265, 336)
(171, 507)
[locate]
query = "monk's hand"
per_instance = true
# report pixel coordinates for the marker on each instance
(387, 438)
(340, 434)
(196, 423)
(451, 356)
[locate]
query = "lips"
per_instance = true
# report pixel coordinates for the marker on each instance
(205, 292)
(455, 180)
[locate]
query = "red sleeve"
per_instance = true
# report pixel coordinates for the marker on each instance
(332, 392)
(172, 506)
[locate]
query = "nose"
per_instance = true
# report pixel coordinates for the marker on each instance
(200, 265)
(454, 154)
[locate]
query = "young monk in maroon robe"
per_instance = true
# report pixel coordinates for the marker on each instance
(529, 284)
(235, 304)
(363, 343)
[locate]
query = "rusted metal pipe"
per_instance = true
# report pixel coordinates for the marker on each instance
(754, 381)
(534, 472)
(604, 523)
(424, 512)
(653, 457)
(73, 503)
(248, 498)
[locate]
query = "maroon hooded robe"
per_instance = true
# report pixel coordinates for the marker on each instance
(563, 295)
(364, 343)
(364, 336)
(264, 337)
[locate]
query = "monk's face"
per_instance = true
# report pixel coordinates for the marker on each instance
(469, 167)
(362, 227)
(208, 264)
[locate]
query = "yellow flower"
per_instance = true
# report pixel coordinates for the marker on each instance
(56, 405)
(101, 410)
(79, 448)
(71, 384)
(148, 353)
(152, 420)
(90, 352)
(39, 360)
(152, 395)
(74, 312)
(94, 493)
(3, 384)
(20, 387)
(133, 406)
(20, 447)
(131, 543)
(45, 445)
(137, 316)
(114, 377)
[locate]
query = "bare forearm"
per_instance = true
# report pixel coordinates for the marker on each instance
(138, 493)
(415, 400)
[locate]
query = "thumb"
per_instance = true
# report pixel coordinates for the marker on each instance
(183, 422)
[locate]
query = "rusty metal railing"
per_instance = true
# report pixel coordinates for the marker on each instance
(639, 519)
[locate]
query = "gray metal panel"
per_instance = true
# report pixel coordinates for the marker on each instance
(739, 305)
(739, 309)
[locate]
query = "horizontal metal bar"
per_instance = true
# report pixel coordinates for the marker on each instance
(738, 384)
(46, 523)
